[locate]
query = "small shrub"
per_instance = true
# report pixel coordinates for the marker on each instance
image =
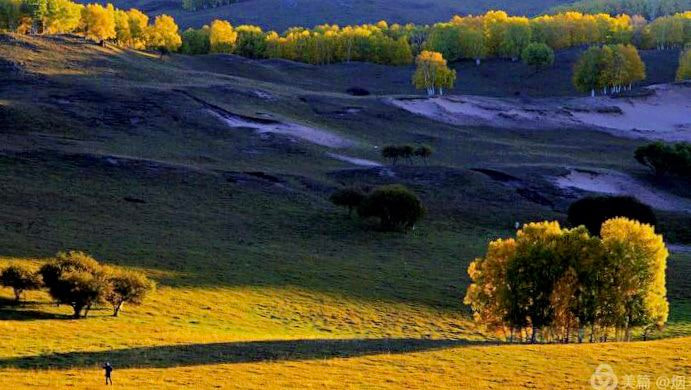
(591, 212)
(20, 279)
(396, 207)
(348, 197)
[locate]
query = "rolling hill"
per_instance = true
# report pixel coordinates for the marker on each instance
(212, 175)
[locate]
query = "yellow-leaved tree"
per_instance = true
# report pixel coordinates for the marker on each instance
(99, 22)
(164, 35)
(432, 73)
(222, 37)
(637, 258)
(684, 69)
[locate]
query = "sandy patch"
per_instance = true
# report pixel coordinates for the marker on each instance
(263, 126)
(664, 114)
(361, 162)
(616, 183)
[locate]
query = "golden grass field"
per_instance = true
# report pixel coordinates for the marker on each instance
(286, 338)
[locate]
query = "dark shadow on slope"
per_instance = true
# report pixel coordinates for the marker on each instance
(236, 352)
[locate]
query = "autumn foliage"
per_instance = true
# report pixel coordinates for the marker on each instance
(555, 284)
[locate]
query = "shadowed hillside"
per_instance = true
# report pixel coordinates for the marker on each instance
(282, 14)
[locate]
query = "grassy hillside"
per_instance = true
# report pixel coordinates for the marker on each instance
(262, 282)
(281, 14)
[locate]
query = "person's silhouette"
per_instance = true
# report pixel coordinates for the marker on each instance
(108, 368)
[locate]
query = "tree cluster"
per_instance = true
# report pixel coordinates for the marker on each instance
(609, 69)
(494, 34)
(406, 152)
(78, 280)
(432, 73)
(665, 159)
(94, 21)
(650, 9)
(395, 207)
(593, 211)
(561, 285)
(324, 44)
(194, 5)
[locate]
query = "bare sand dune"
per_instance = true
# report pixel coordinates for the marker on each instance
(262, 126)
(617, 183)
(664, 113)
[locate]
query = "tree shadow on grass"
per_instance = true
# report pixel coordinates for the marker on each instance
(232, 352)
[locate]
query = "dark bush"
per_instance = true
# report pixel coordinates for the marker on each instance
(424, 152)
(591, 212)
(20, 279)
(350, 197)
(396, 207)
(357, 91)
(663, 158)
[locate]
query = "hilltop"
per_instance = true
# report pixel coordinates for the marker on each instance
(280, 15)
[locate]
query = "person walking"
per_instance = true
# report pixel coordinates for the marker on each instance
(108, 368)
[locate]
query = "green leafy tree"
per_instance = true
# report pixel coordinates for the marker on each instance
(538, 55)
(76, 279)
(127, 287)
(424, 152)
(396, 207)
(20, 279)
(350, 198)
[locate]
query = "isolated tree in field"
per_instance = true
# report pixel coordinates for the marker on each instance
(20, 279)
(127, 287)
(392, 152)
(164, 35)
(592, 212)
(684, 69)
(99, 22)
(664, 158)
(222, 37)
(76, 279)
(432, 73)
(538, 55)
(634, 66)
(424, 152)
(350, 198)
(396, 207)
